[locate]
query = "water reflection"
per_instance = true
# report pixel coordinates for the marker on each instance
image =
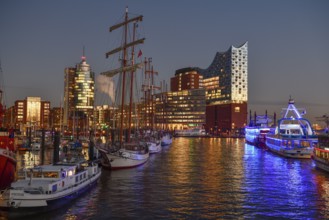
(205, 178)
(278, 186)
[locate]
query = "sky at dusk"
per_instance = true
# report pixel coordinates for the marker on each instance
(288, 42)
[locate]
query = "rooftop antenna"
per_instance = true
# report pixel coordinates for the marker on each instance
(83, 54)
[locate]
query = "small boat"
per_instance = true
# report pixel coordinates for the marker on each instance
(256, 136)
(255, 133)
(153, 144)
(130, 155)
(47, 185)
(321, 153)
(166, 139)
(194, 132)
(293, 136)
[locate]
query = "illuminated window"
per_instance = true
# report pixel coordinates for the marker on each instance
(237, 109)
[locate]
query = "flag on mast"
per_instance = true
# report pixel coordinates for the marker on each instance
(139, 53)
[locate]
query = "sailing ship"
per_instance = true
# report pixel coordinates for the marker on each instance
(293, 136)
(151, 136)
(128, 152)
(7, 149)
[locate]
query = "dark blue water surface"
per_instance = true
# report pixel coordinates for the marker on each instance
(205, 178)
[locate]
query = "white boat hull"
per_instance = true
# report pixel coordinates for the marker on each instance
(304, 153)
(166, 140)
(154, 147)
(123, 159)
(18, 199)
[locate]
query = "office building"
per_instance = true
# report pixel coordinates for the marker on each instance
(32, 112)
(78, 97)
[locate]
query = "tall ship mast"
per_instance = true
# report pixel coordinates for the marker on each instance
(129, 153)
(148, 89)
(125, 68)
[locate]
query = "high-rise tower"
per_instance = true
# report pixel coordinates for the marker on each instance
(78, 95)
(84, 87)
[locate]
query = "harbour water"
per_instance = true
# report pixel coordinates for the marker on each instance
(203, 178)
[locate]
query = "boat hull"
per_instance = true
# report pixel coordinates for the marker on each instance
(154, 147)
(191, 133)
(321, 163)
(290, 152)
(7, 168)
(321, 153)
(123, 159)
(166, 140)
(25, 203)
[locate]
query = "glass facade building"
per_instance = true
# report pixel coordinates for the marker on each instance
(79, 84)
(84, 87)
(226, 79)
(180, 109)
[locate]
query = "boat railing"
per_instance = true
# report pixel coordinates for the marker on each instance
(289, 136)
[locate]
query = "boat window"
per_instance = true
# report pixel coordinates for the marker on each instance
(295, 131)
(54, 188)
(305, 144)
(36, 174)
(282, 131)
(50, 174)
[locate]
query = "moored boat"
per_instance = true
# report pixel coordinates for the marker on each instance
(7, 152)
(256, 136)
(293, 136)
(129, 155)
(257, 130)
(194, 132)
(321, 153)
(7, 158)
(45, 186)
(126, 153)
(153, 144)
(166, 139)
